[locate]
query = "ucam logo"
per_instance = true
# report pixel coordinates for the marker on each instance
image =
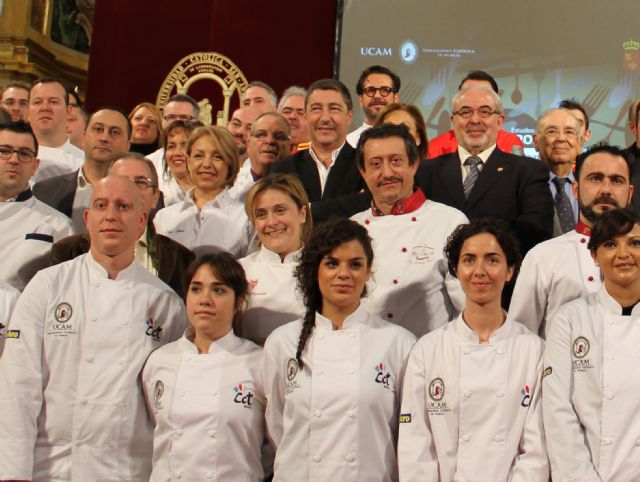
(376, 52)
(408, 51)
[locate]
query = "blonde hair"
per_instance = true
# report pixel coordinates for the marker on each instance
(156, 114)
(225, 144)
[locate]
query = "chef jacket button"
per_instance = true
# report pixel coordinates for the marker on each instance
(321, 337)
(638, 442)
(126, 287)
(84, 401)
(352, 335)
(582, 240)
(467, 351)
(212, 433)
(89, 359)
(319, 371)
(317, 414)
(404, 250)
(499, 394)
(366, 221)
(317, 458)
(125, 322)
(413, 219)
(182, 394)
(178, 476)
(500, 351)
(466, 437)
(610, 357)
(466, 394)
(609, 396)
(611, 322)
(350, 458)
(121, 361)
(96, 285)
(352, 371)
(351, 413)
(590, 278)
(606, 441)
(389, 315)
(179, 432)
(213, 393)
(209, 475)
(94, 318)
(395, 281)
(499, 439)
(115, 403)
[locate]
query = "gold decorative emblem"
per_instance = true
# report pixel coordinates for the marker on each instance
(211, 78)
(631, 54)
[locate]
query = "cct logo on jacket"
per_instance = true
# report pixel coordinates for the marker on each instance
(243, 395)
(153, 329)
(383, 377)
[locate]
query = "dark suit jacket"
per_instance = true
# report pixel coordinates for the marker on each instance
(634, 159)
(58, 192)
(510, 187)
(171, 257)
(345, 192)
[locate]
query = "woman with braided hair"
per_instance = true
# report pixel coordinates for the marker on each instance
(332, 380)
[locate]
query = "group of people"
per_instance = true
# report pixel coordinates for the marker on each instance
(282, 298)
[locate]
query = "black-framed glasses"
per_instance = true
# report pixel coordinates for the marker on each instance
(24, 155)
(483, 112)
(278, 136)
(371, 91)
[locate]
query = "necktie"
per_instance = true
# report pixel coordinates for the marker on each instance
(474, 163)
(564, 211)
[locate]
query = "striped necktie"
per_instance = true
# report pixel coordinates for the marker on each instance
(564, 210)
(475, 166)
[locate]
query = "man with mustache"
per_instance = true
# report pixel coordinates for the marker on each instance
(377, 87)
(413, 287)
(561, 269)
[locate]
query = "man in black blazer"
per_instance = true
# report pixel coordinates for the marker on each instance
(328, 169)
(480, 180)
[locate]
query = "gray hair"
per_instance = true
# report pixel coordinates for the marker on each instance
(488, 91)
(291, 92)
(548, 112)
(271, 114)
(273, 97)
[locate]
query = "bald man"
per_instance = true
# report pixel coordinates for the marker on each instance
(75, 345)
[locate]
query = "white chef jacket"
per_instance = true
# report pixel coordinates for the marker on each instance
(244, 181)
(172, 192)
(221, 225)
(552, 273)
(471, 411)
(8, 297)
(336, 418)
(591, 391)
(28, 229)
(410, 283)
(354, 136)
(157, 157)
(208, 410)
(274, 299)
(55, 161)
(76, 344)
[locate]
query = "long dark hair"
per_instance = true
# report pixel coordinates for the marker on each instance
(325, 239)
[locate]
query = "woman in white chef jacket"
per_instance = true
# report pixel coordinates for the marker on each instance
(204, 391)
(591, 387)
(471, 407)
(333, 378)
(277, 205)
(175, 180)
(209, 219)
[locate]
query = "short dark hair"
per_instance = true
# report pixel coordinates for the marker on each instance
(15, 85)
(185, 98)
(482, 76)
(20, 127)
(325, 239)
(606, 148)
(611, 224)
(573, 104)
(378, 69)
(76, 97)
(384, 131)
(330, 84)
(414, 112)
(51, 80)
(272, 93)
(230, 272)
(117, 109)
(498, 228)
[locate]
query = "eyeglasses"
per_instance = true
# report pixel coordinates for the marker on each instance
(371, 91)
(278, 136)
(181, 117)
(483, 112)
(555, 133)
(143, 182)
(150, 120)
(12, 102)
(24, 155)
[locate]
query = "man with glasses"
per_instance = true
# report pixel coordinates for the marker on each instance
(268, 141)
(108, 133)
(377, 87)
(15, 100)
(481, 180)
(559, 139)
(28, 227)
(160, 255)
(179, 107)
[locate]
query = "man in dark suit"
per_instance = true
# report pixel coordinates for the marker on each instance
(633, 152)
(481, 180)
(328, 169)
(162, 256)
(108, 133)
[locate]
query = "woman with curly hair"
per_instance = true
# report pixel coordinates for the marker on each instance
(332, 380)
(471, 405)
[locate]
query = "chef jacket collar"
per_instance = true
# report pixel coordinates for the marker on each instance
(466, 333)
(221, 199)
(611, 306)
(23, 196)
(269, 256)
(356, 318)
(222, 345)
(583, 228)
(411, 203)
(96, 270)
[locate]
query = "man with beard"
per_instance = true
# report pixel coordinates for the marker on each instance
(239, 127)
(561, 269)
(377, 87)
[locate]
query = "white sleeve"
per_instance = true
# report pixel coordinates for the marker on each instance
(148, 386)
(21, 381)
(532, 463)
(417, 459)
(570, 458)
(8, 299)
(530, 295)
(272, 380)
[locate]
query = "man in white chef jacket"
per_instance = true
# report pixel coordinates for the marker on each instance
(561, 269)
(72, 403)
(410, 285)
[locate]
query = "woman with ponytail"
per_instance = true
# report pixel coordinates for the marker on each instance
(332, 380)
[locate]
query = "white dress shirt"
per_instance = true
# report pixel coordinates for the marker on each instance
(323, 171)
(55, 161)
